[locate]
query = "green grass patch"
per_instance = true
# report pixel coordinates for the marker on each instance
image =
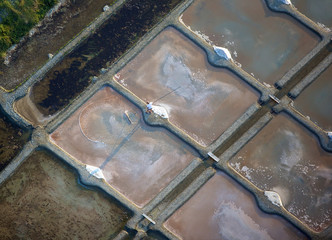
(17, 17)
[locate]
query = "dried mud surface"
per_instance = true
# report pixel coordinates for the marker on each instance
(43, 200)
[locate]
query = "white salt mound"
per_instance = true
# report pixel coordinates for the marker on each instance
(273, 197)
(329, 134)
(95, 171)
(160, 111)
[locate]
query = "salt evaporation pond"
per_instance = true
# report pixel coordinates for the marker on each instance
(108, 132)
(266, 43)
(200, 99)
(315, 101)
(286, 158)
(318, 11)
(43, 200)
(229, 212)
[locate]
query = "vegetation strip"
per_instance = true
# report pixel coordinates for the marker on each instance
(74, 73)
(12, 139)
(18, 17)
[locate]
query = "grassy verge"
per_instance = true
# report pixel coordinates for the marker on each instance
(17, 17)
(70, 77)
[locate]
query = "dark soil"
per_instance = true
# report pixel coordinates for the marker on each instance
(73, 74)
(12, 139)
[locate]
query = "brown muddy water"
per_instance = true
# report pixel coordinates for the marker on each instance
(318, 11)
(73, 74)
(286, 158)
(49, 38)
(43, 200)
(203, 100)
(222, 209)
(137, 160)
(265, 43)
(315, 101)
(12, 139)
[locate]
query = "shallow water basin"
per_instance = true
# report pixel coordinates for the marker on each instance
(229, 212)
(108, 132)
(267, 44)
(315, 100)
(286, 158)
(319, 11)
(43, 200)
(200, 99)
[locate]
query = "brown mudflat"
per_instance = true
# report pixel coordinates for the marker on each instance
(43, 200)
